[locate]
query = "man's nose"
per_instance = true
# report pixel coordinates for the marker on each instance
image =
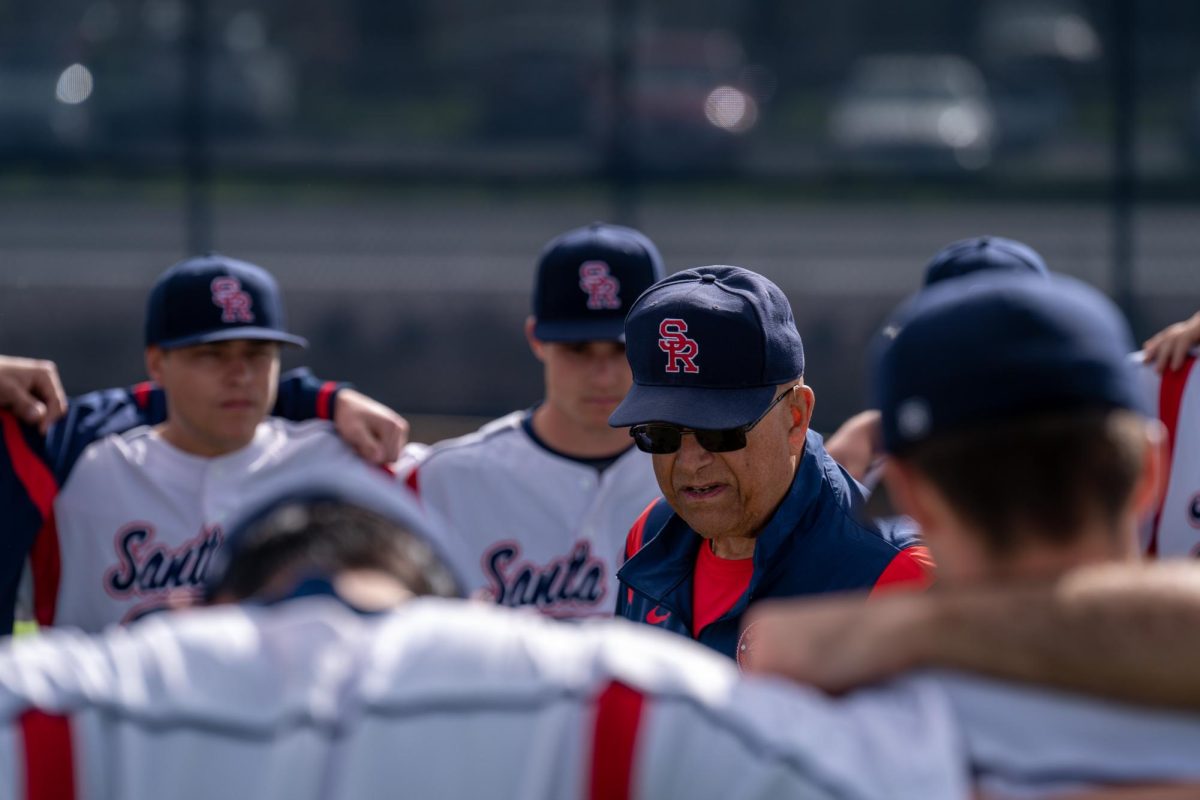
(238, 369)
(691, 454)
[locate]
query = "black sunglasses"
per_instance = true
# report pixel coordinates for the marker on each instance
(661, 438)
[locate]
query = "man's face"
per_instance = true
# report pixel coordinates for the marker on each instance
(217, 393)
(585, 381)
(733, 495)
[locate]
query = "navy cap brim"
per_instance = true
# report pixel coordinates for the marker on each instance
(693, 407)
(600, 330)
(229, 334)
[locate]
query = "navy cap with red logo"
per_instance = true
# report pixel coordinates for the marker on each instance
(996, 347)
(708, 346)
(212, 298)
(984, 254)
(588, 278)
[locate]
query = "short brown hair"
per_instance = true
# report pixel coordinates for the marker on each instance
(325, 536)
(1044, 477)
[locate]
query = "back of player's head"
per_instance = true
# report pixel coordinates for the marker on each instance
(587, 278)
(1018, 399)
(326, 525)
(984, 254)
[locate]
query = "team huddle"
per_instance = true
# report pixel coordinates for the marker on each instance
(248, 586)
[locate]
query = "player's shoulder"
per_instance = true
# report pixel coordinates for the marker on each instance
(508, 652)
(494, 438)
(112, 452)
(272, 675)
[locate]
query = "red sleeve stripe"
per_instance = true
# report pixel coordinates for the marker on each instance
(49, 761)
(413, 482)
(141, 394)
(633, 540)
(326, 392)
(614, 740)
(45, 562)
(1170, 398)
(912, 568)
(33, 473)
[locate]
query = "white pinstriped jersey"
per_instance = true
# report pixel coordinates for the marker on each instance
(1175, 529)
(549, 531)
(139, 519)
(308, 699)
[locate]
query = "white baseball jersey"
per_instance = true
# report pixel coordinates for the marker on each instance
(549, 531)
(138, 520)
(309, 699)
(1174, 530)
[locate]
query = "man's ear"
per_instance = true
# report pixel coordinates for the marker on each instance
(154, 357)
(800, 406)
(535, 344)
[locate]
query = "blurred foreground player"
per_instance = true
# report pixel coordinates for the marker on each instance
(1035, 375)
(545, 496)
(333, 677)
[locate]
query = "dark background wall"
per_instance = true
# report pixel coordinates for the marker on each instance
(399, 165)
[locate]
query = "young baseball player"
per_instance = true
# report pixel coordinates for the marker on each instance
(44, 435)
(133, 522)
(546, 495)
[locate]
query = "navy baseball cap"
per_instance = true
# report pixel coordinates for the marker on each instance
(984, 253)
(990, 348)
(213, 298)
(587, 279)
(708, 347)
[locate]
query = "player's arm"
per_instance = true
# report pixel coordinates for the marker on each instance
(1118, 631)
(857, 444)
(1168, 348)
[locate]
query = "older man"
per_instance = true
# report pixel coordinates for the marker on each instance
(754, 507)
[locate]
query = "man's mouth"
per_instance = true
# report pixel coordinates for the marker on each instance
(702, 491)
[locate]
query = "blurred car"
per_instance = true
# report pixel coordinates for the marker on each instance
(1044, 30)
(913, 111)
(689, 105)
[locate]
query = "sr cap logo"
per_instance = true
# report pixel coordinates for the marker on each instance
(708, 348)
(587, 279)
(213, 298)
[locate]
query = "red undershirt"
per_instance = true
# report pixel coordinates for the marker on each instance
(718, 584)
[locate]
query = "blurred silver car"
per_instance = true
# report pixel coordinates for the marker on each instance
(913, 111)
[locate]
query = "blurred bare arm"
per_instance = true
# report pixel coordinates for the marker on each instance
(857, 443)
(1169, 347)
(31, 389)
(1124, 631)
